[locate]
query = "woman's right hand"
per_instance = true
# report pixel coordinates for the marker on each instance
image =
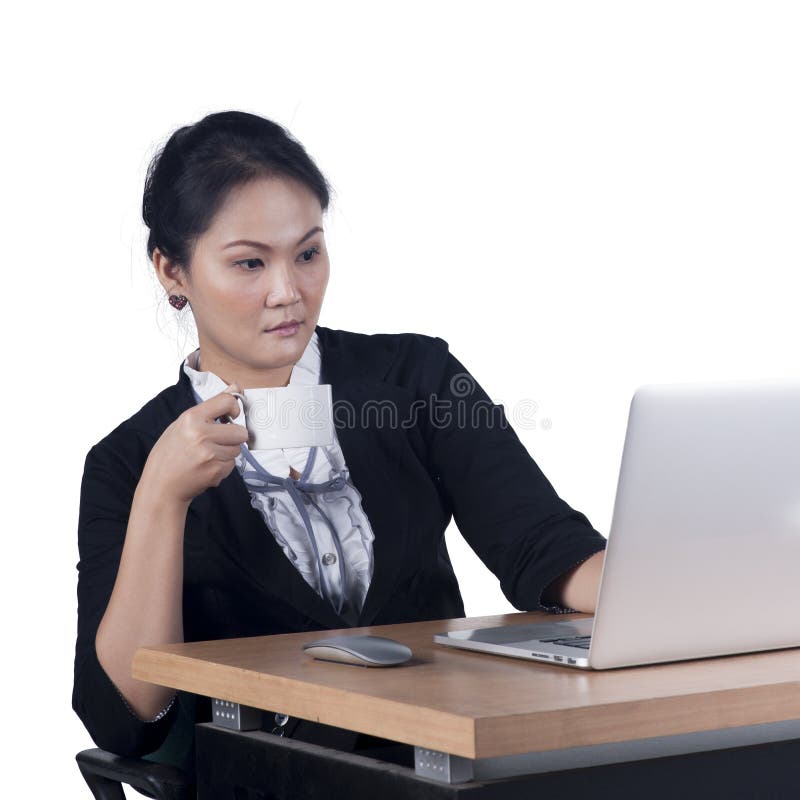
(195, 452)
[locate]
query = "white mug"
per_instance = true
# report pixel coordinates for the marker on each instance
(288, 416)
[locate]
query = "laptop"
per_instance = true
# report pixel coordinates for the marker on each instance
(703, 554)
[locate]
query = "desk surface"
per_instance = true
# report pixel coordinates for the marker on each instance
(477, 705)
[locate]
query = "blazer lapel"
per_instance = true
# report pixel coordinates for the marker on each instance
(253, 546)
(353, 366)
(367, 450)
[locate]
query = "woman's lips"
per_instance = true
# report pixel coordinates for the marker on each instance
(285, 330)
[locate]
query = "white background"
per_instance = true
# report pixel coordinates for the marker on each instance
(579, 197)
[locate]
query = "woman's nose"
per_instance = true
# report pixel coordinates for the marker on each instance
(282, 289)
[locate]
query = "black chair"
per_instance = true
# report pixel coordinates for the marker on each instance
(105, 773)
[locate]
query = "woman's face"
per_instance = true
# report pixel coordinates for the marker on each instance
(263, 261)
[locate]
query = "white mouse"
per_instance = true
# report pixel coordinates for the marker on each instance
(363, 650)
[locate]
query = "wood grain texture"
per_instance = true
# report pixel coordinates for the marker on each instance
(477, 705)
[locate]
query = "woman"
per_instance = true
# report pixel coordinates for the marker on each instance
(180, 540)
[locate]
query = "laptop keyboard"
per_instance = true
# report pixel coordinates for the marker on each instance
(571, 641)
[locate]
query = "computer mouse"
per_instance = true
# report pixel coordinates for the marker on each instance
(362, 650)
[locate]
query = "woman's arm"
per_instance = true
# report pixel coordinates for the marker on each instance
(112, 504)
(502, 503)
(578, 587)
(146, 605)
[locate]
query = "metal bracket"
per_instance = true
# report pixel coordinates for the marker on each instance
(442, 766)
(234, 716)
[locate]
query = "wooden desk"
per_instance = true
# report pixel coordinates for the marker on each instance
(475, 716)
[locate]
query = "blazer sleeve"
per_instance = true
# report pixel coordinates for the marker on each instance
(111, 474)
(502, 503)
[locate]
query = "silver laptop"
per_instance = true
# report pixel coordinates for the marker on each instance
(703, 555)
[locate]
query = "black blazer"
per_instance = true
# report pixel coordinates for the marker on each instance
(414, 468)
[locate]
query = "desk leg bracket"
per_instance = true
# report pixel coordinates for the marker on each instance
(443, 767)
(235, 716)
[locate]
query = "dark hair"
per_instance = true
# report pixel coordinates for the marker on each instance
(191, 175)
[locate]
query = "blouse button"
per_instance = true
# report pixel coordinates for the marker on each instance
(328, 559)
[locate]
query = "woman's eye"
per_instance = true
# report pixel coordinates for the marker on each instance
(310, 250)
(247, 262)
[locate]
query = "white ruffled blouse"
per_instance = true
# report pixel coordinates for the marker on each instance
(281, 516)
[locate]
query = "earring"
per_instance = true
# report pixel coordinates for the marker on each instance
(177, 301)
